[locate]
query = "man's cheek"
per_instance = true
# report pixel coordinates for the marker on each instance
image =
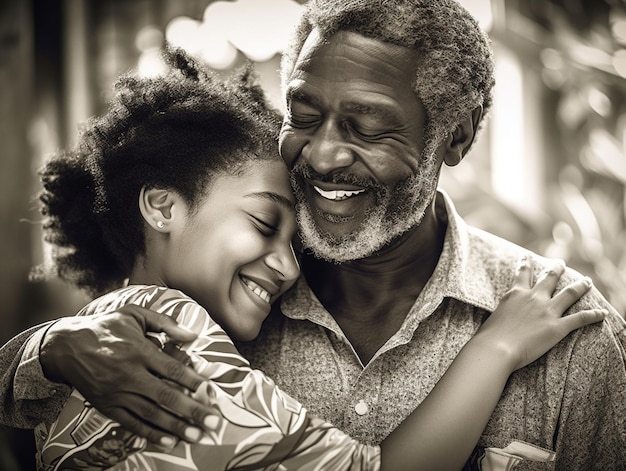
(289, 146)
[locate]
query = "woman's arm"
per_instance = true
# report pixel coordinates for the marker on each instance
(442, 432)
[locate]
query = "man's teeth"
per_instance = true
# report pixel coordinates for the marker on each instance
(256, 289)
(337, 194)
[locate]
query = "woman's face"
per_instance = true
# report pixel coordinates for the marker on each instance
(234, 255)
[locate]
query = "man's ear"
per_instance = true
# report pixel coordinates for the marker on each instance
(156, 205)
(460, 140)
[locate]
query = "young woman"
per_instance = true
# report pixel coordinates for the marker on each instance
(177, 200)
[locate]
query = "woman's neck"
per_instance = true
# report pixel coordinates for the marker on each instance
(144, 273)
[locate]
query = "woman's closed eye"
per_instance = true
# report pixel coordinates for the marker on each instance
(266, 228)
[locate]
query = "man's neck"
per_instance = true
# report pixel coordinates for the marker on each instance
(370, 298)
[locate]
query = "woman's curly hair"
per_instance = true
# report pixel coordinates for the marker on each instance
(454, 72)
(174, 131)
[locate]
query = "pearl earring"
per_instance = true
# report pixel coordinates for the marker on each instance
(160, 224)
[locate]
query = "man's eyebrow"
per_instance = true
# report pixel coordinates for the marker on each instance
(275, 198)
(379, 110)
(296, 93)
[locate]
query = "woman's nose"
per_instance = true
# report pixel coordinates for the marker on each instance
(284, 262)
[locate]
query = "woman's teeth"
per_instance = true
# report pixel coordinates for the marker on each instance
(337, 195)
(256, 289)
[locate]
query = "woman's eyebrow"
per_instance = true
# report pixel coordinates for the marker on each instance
(275, 198)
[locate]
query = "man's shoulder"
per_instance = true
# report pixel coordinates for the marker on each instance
(500, 255)
(499, 251)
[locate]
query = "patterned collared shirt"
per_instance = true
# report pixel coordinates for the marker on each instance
(566, 411)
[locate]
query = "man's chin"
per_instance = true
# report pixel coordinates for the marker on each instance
(339, 243)
(333, 228)
(345, 243)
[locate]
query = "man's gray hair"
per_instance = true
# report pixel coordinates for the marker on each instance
(455, 66)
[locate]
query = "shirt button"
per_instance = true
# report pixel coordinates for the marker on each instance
(361, 408)
(53, 392)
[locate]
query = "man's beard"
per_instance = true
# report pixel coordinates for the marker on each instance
(394, 211)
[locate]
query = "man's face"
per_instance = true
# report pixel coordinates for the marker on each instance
(353, 137)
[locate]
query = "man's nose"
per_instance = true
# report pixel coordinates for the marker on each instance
(328, 149)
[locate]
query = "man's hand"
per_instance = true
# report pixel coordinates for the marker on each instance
(108, 359)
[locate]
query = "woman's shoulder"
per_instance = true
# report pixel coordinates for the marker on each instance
(168, 301)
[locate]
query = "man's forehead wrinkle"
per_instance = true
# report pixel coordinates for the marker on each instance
(379, 108)
(349, 43)
(343, 57)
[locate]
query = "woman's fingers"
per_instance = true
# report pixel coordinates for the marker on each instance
(581, 319)
(549, 277)
(524, 272)
(571, 293)
(547, 282)
(529, 319)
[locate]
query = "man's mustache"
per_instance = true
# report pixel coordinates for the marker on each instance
(304, 171)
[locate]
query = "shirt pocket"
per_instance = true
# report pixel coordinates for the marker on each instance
(514, 457)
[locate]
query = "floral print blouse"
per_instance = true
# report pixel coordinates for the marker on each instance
(259, 426)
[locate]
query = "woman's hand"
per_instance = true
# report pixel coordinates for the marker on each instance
(109, 360)
(529, 320)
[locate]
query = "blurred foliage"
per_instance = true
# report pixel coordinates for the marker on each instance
(580, 52)
(582, 66)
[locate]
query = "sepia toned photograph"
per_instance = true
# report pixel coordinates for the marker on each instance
(313, 234)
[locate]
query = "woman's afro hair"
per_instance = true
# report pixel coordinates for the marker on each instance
(174, 131)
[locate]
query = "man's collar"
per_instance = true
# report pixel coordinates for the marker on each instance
(464, 272)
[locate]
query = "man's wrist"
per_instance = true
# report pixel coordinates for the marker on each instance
(29, 381)
(47, 358)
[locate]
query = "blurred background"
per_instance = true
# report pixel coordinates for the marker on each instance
(548, 172)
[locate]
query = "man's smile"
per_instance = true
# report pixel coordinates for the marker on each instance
(337, 195)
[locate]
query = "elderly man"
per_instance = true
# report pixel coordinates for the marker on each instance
(379, 94)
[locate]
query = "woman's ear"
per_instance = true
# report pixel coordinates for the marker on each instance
(156, 205)
(460, 140)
